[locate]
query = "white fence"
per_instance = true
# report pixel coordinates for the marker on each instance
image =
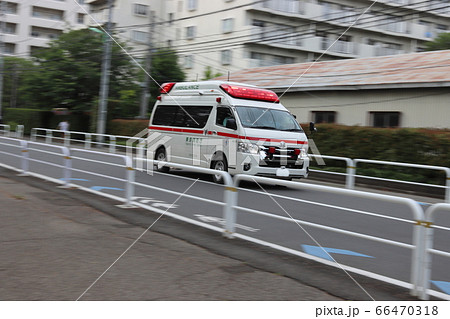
(5, 130)
(112, 143)
(422, 232)
(352, 164)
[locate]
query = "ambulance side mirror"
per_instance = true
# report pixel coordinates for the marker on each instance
(312, 127)
(231, 124)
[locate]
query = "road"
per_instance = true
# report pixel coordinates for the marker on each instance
(371, 217)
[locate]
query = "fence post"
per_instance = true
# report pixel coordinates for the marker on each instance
(48, 136)
(88, 141)
(447, 190)
(229, 210)
(112, 144)
(33, 134)
(351, 169)
(25, 157)
(7, 130)
(66, 139)
(129, 187)
(67, 166)
(19, 131)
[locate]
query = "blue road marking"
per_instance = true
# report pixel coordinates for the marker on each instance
(443, 285)
(322, 252)
(423, 204)
(99, 188)
(74, 179)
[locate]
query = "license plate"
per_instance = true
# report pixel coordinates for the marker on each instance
(282, 172)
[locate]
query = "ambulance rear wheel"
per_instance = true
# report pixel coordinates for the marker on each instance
(160, 156)
(220, 165)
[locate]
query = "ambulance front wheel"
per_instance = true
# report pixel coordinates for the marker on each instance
(160, 156)
(220, 165)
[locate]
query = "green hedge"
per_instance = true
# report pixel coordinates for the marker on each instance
(31, 118)
(418, 146)
(28, 117)
(126, 127)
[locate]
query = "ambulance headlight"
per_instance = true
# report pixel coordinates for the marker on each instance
(248, 148)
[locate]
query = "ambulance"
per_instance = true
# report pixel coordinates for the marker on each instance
(233, 127)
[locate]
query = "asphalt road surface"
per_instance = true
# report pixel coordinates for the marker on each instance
(371, 217)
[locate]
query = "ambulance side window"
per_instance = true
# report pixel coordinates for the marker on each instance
(186, 116)
(223, 115)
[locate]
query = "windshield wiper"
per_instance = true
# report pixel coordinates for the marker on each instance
(263, 127)
(293, 130)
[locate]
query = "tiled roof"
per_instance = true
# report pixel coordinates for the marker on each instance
(405, 70)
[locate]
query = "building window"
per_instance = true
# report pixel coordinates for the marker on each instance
(192, 5)
(227, 25)
(190, 32)
(139, 36)
(226, 57)
(140, 9)
(323, 117)
(188, 61)
(385, 119)
(278, 59)
(80, 18)
(10, 28)
(46, 13)
(10, 48)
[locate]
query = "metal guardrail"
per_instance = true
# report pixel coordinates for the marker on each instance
(352, 166)
(422, 236)
(5, 130)
(112, 143)
(428, 250)
(414, 208)
(86, 140)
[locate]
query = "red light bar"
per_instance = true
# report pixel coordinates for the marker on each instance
(243, 92)
(166, 87)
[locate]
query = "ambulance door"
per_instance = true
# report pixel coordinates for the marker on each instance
(195, 133)
(224, 134)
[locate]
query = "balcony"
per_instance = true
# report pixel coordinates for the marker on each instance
(285, 6)
(276, 35)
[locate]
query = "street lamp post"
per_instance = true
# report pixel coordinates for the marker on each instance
(104, 82)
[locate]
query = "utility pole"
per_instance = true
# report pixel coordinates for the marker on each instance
(104, 83)
(2, 50)
(145, 95)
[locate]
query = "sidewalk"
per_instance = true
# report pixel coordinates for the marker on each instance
(53, 247)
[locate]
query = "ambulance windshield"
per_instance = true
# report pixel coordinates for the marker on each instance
(256, 117)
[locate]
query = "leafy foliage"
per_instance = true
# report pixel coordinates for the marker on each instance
(67, 73)
(209, 74)
(407, 145)
(164, 68)
(441, 42)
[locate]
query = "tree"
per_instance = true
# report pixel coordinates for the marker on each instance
(67, 73)
(16, 70)
(164, 68)
(209, 74)
(441, 42)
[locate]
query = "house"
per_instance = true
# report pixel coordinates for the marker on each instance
(407, 90)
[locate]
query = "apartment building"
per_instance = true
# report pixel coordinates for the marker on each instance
(135, 22)
(30, 25)
(230, 35)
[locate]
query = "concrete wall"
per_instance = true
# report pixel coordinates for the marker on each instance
(424, 107)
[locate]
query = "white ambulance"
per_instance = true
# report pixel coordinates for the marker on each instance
(227, 126)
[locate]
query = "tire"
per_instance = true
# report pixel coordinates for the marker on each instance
(220, 165)
(161, 157)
